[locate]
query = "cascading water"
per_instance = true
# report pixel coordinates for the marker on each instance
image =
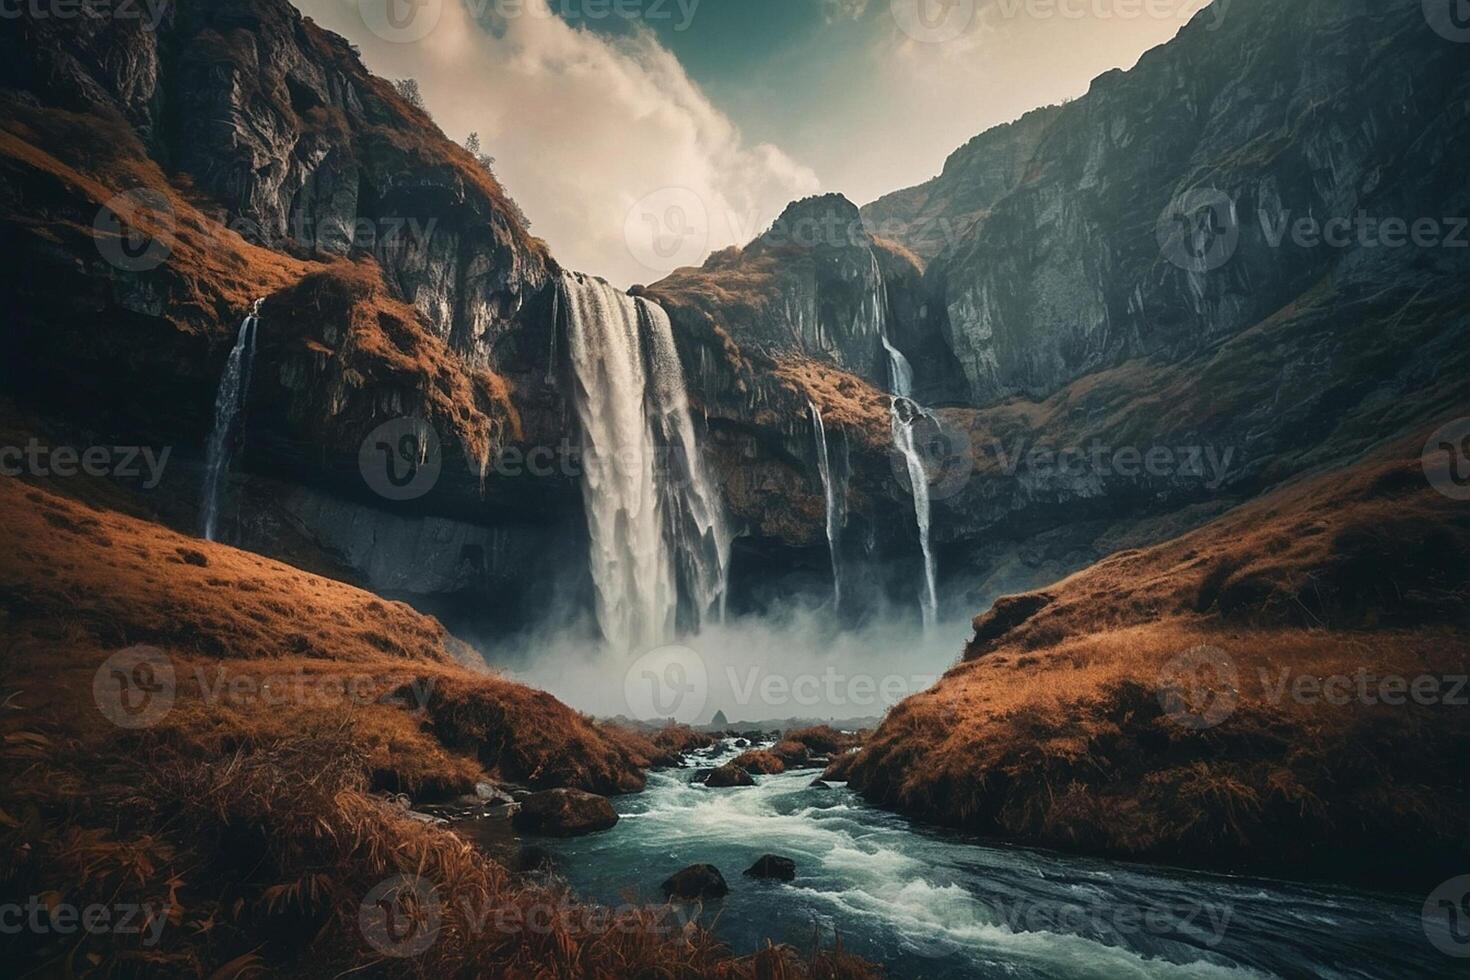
(228, 404)
(906, 414)
(654, 519)
(834, 502)
(695, 523)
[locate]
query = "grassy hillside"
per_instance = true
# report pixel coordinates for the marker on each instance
(221, 740)
(1177, 703)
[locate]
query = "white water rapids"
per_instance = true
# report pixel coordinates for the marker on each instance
(228, 403)
(658, 538)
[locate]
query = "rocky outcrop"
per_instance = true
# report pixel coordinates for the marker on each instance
(1156, 216)
(564, 813)
(300, 149)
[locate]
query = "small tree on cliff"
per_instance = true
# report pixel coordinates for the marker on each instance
(409, 89)
(476, 150)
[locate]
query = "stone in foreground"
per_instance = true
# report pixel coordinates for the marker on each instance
(697, 881)
(564, 813)
(773, 867)
(729, 775)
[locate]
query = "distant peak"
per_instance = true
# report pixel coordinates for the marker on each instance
(825, 219)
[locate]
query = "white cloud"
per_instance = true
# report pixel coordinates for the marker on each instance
(835, 10)
(584, 127)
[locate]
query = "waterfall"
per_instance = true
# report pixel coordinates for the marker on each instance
(834, 502)
(229, 403)
(906, 414)
(656, 527)
(694, 514)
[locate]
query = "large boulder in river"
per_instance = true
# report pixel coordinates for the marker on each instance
(774, 867)
(759, 762)
(564, 813)
(697, 881)
(729, 775)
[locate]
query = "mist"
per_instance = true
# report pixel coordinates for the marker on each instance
(794, 661)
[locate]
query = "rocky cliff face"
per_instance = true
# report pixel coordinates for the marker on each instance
(1059, 312)
(158, 181)
(1210, 258)
(299, 149)
(936, 215)
(1157, 213)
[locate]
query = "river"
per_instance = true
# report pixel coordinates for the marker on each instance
(927, 904)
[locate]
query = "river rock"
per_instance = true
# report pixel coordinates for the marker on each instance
(564, 813)
(729, 775)
(487, 793)
(773, 867)
(819, 783)
(697, 881)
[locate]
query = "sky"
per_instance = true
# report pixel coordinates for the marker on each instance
(639, 135)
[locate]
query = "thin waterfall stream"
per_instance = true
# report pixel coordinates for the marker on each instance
(906, 414)
(833, 500)
(229, 406)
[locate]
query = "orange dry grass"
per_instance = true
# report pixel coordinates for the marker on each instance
(358, 335)
(339, 313)
(759, 763)
(845, 399)
(219, 274)
(824, 739)
(246, 816)
(128, 582)
(1055, 730)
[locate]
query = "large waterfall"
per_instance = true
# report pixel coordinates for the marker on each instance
(906, 416)
(228, 404)
(659, 545)
(834, 500)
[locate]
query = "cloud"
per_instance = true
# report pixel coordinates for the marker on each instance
(835, 10)
(622, 163)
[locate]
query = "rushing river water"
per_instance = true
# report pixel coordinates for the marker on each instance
(929, 905)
